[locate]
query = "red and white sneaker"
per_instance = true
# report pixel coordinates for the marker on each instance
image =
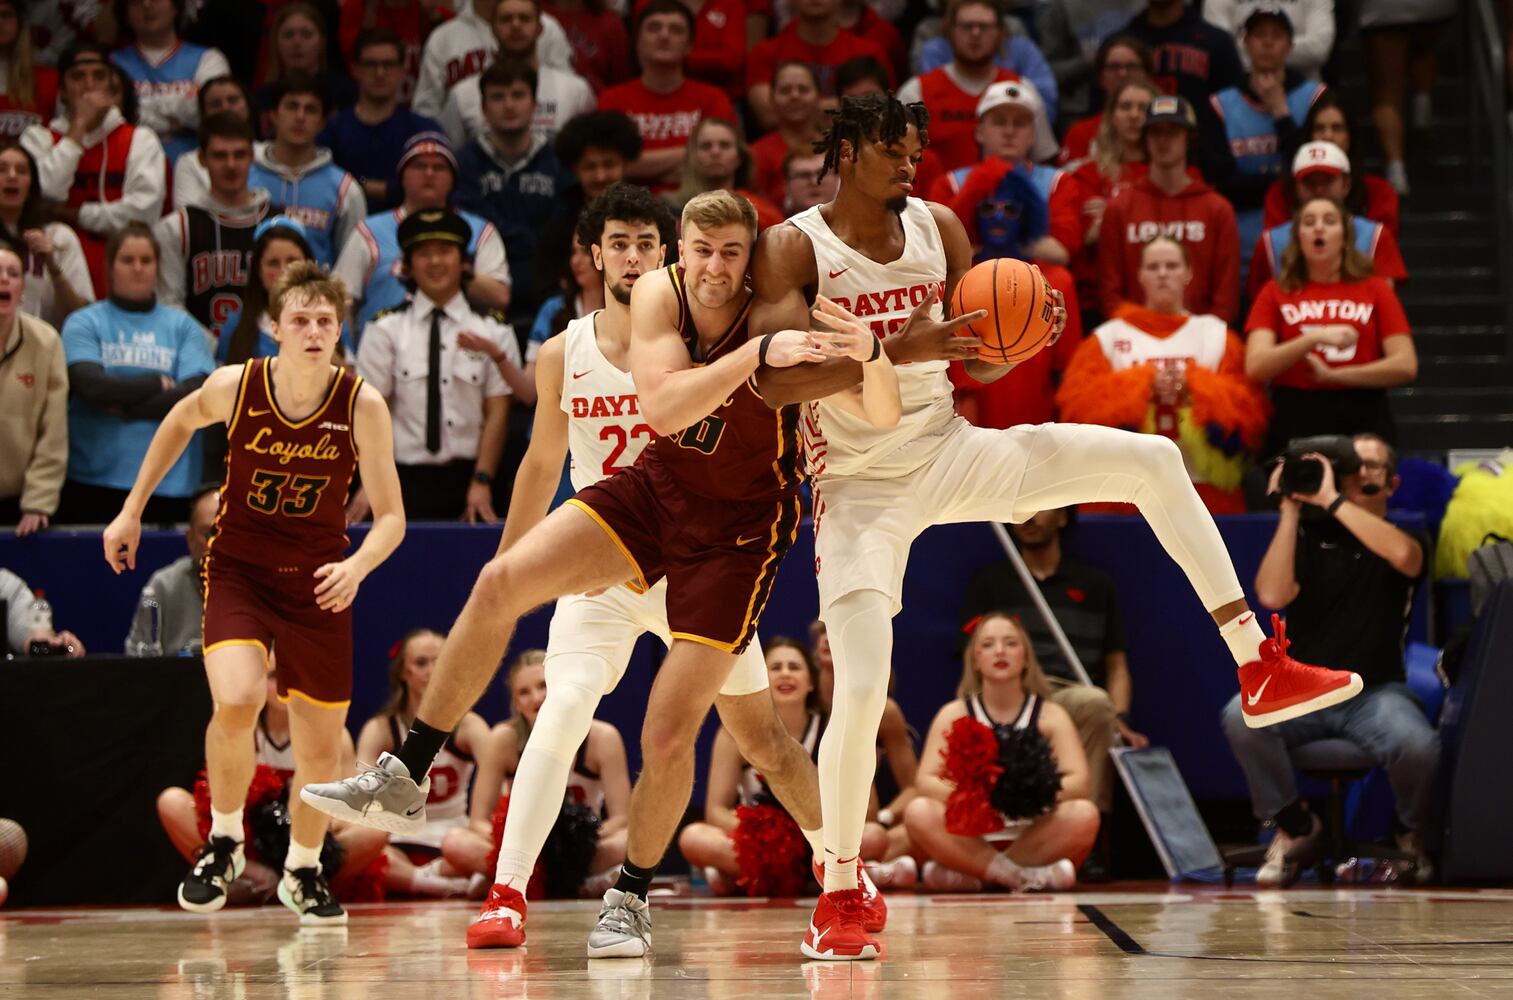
(877, 909)
(835, 931)
(501, 922)
(1276, 687)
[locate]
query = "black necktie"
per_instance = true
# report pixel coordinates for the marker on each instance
(433, 387)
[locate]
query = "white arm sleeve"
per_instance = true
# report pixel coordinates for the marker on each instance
(56, 161)
(430, 86)
(70, 257)
(375, 357)
(352, 265)
(553, 48)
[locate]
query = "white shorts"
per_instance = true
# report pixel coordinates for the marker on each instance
(607, 626)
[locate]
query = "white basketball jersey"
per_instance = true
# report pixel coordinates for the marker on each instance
(270, 754)
(605, 432)
(1201, 338)
(841, 444)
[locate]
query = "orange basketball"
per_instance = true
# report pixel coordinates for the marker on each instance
(1019, 304)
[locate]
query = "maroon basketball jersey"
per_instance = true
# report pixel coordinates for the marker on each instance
(284, 498)
(745, 450)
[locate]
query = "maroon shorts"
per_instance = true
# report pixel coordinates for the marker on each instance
(276, 609)
(720, 557)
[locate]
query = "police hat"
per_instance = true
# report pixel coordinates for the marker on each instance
(440, 224)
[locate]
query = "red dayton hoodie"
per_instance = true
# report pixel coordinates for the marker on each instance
(1198, 217)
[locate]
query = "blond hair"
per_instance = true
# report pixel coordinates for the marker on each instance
(20, 82)
(714, 209)
(304, 282)
(1032, 679)
(1354, 265)
(1108, 152)
(518, 722)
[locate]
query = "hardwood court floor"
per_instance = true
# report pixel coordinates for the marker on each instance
(1154, 942)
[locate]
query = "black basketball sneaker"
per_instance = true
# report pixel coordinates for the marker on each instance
(305, 892)
(220, 862)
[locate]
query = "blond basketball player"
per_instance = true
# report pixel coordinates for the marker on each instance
(893, 259)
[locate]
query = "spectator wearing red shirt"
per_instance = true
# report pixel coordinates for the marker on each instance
(814, 36)
(1331, 336)
(1171, 201)
(1322, 170)
(1119, 161)
(28, 92)
(601, 49)
(719, 43)
(805, 183)
(411, 21)
(865, 75)
(663, 101)
(796, 102)
(1369, 195)
(975, 29)
(718, 159)
(859, 18)
(1120, 59)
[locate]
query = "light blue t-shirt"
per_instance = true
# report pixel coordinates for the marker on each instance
(266, 346)
(105, 449)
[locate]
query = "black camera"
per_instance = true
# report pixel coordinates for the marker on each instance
(1305, 475)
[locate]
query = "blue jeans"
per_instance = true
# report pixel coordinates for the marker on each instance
(1384, 720)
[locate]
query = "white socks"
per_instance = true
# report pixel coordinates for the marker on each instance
(860, 627)
(1243, 636)
(1002, 871)
(428, 880)
(300, 856)
(227, 824)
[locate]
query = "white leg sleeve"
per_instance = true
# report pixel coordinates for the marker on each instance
(1081, 463)
(860, 628)
(575, 683)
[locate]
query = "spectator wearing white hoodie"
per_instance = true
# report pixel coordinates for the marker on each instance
(105, 171)
(464, 47)
(300, 177)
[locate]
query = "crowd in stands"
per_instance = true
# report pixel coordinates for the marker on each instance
(1185, 177)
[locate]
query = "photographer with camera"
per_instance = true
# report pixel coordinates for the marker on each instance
(1346, 577)
(28, 622)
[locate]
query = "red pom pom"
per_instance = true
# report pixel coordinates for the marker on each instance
(266, 784)
(536, 888)
(971, 764)
(771, 851)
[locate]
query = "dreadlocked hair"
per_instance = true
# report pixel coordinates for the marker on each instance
(870, 118)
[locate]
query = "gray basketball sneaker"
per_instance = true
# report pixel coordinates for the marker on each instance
(383, 797)
(624, 929)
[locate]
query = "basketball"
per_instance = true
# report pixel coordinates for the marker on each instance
(12, 847)
(1019, 304)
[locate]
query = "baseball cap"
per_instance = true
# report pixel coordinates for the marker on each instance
(1267, 10)
(438, 225)
(279, 222)
(1320, 158)
(1022, 94)
(1170, 109)
(423, 143)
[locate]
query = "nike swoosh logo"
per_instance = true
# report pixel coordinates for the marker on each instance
(412, 812)
(1253, 699)
(577, 375)
(747, 541)
(1246, 619)
(818, 936)
(258, 413)
(837, 274)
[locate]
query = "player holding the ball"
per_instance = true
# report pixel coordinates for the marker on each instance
(892, 260)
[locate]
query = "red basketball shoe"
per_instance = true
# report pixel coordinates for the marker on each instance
(501, 922)
(877, 909)
(1276, 687)
(835, 931)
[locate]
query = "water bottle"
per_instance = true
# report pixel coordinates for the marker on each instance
(39, 627)
(152, 645)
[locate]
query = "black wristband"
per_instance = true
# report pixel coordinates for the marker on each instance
(762, 349)
(1335, 506)
(877, 350)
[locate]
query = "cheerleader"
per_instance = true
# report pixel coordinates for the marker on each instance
(1158, 369)
(734, 846)
(587, 845)
(416, 865)
(1003, 786)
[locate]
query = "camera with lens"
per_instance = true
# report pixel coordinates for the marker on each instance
(1302, 475)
